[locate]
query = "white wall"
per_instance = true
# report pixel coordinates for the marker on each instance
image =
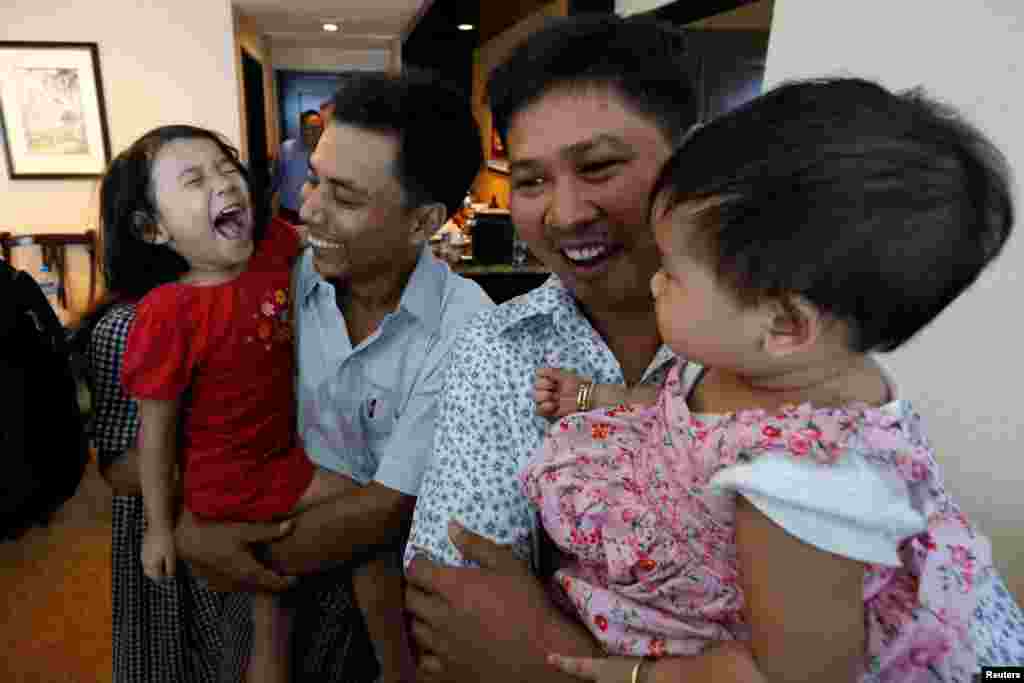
(162, 61)
(292, 57)
(754, 16)
(964, 372)
(625, 8)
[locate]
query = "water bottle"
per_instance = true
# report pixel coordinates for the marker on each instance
(520, 252)
(48, 281)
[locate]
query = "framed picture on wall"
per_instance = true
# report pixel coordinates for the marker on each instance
(52, 111)
(497, 160)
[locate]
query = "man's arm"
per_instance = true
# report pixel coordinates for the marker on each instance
(376, 515)
(342, 529)
(493, 623)
(487, 616)
(221, 553)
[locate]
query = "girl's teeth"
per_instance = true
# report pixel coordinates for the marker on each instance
(585, 253)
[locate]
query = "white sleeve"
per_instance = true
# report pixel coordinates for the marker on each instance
(851, 508)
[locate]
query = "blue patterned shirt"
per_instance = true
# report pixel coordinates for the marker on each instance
(487, 427)
(369, 412)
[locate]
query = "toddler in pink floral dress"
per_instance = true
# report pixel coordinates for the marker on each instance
(775, 491)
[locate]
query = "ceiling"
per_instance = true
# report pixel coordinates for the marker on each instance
(364, 24)
(374, 24)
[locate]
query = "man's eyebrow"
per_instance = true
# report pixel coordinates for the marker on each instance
(573, 151)
(343, 183)
(605, 139)
(523, 166)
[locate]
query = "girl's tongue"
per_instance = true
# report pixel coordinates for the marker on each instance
(234, 224)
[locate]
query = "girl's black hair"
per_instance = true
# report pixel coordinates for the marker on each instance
(131, 265)
(878, 208)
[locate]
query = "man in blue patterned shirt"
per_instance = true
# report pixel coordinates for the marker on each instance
(589, 109)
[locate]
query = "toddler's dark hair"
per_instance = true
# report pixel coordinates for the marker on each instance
(878, 208)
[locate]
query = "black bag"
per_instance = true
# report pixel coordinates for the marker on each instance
(43, 444)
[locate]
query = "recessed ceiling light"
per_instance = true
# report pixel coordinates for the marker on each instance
(330, 28)
(466, 27)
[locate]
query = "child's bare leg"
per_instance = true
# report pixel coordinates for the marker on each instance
(270, 661)
(379, 592)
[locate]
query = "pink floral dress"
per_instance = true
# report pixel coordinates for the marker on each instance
(641, 500)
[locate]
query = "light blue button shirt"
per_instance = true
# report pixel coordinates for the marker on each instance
(369, 411)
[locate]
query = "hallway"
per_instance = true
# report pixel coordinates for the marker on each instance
(55, 623)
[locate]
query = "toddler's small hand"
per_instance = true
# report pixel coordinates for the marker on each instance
(159, 556)
(554, 392)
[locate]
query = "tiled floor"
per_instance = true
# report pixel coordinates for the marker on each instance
(55, 582)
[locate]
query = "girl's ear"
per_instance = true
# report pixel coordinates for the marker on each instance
(148, 229)
(427, 220)
(794, 325)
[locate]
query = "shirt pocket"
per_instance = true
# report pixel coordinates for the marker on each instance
(379, 404)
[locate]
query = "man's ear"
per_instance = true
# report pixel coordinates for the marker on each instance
(148, 229)
(427, 220)
(793, 325)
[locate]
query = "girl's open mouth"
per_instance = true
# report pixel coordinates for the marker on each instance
(233, 223)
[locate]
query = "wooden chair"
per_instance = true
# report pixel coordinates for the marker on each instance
(54, 248)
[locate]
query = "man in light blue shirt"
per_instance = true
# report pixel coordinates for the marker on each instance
(293, 165)
(367, 408)
(376, 317)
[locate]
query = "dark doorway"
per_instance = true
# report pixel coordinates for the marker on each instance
(256, 125)
(437, 44)
(300, 91)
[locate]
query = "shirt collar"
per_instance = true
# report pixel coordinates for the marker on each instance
(550, 299)
(424, 292)
(554, 299)
(422, 296)
(308, 277)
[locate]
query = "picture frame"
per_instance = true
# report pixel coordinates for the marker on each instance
(52, 110)
(497, 159)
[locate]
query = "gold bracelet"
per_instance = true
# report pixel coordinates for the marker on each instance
(635, 677)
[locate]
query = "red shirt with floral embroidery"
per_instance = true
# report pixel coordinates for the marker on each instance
(226, 350)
